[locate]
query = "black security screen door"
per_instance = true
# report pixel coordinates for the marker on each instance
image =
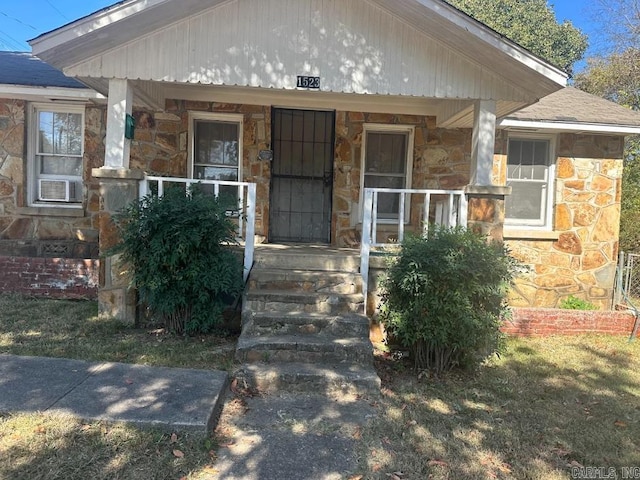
(301, 176)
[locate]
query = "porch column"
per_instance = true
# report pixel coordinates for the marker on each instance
(118, 187)
(119, 105)
(486, 200)
(483, 142)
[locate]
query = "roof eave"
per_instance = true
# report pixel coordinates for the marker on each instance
(26, 92)
(557, 126)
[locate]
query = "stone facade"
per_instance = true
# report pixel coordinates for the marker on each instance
(160, 145)
(579, 256)
(441, 160)
(45, 232)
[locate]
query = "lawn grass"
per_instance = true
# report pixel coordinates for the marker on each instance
(545, 406)
(72, 329)
(53, 446)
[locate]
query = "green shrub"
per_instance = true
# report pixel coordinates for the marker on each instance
(575, 303)
(444, 297)
(182, 264)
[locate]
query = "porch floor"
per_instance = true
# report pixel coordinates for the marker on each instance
(305, 248)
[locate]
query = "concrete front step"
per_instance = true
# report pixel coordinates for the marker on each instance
(302, 302)
(305, 349)
(325, 378)
(307, 260)
(286, 323)
(305, 281)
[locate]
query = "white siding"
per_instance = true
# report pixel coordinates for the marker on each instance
(353, 45)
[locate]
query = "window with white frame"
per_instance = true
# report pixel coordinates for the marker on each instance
(216, 148)
(530, 174)
(387, 151)
(56, 144)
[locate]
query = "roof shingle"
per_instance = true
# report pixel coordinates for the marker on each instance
(22, 68)
(570, 105)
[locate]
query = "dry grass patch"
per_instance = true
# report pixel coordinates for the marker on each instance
(52, 446)
(546, 405)
(55, 446)
(72, 329)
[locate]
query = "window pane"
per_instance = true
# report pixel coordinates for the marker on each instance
(515, 152)
(528, 152)
(216, 173)
(61, 165)
(526, 201)
(540, 153)
(388, 203)
(216, 143)
(60, 133)
(386, 153)
(513, 171)
(539, 172)
(528, 175)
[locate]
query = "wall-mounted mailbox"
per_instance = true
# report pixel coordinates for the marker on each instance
(129, 127)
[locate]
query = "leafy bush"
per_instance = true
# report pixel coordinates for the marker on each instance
(178, 248)
(575, 303)
(444, 297)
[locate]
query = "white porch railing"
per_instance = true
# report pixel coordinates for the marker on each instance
(440, 207)
(246, 194)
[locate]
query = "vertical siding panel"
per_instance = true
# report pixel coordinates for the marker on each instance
(180, 56)
(330, 60)
(268, 42)
(253, 45)
(194, 31)
(219, 27)
(453, 80)
(365, 37)
(375, 34)
(212, 63)
(433, 51)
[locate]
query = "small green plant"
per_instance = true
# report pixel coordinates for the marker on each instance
(444, 297)
(575, 303)
(179, 249)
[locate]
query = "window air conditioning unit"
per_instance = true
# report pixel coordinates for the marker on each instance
(56, 190)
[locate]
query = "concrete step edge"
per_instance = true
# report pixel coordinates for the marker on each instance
(274, 377)
(311, 297)
(299, 342)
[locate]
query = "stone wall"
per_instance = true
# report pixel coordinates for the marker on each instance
(160, 145)
(441, 160)
(441, 157)
(44, 231)
(579, 257)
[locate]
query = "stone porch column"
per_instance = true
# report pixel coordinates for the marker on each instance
(118, 186)
(486, 200)
(485, 212)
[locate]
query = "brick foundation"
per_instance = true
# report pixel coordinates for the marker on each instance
(539, 322)
(68, 278)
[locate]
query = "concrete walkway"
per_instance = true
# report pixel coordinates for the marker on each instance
(177, 397)
(292, 436)
(310, 436)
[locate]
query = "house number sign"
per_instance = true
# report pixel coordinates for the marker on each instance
(305, 81)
